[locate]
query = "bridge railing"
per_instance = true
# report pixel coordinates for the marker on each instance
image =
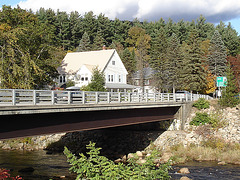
(43, 97)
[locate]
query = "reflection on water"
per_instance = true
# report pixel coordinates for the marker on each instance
(46, 166)
(207, 171)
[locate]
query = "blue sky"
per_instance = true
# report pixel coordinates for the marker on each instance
(213, 10)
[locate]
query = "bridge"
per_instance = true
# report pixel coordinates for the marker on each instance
(36, 112)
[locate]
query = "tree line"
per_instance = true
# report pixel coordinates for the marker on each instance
(184, 55)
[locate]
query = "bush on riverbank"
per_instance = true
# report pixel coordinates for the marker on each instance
(201, 104)
(99, 167)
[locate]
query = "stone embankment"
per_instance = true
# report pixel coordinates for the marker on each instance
(230, 132)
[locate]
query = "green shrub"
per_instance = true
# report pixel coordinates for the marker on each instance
(200, 119)
(201, 104)
(100, 167)
(216, 120)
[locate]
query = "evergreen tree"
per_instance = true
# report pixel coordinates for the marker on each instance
(217, 55)
(63, 29)
(97, 82)
(89, 25)
(84, 44)
(129, 62)
(194, 76)
(158, 60)
(104, 26)
(230, 93)
(98, 42)
(174, 61)
(75, 29)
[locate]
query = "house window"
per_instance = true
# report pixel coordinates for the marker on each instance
(110, 78)
(119, 78)
(82, 78)
(86, 78)
(113, 62)
(62, 79)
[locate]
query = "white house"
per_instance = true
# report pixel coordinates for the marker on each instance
(78, 66)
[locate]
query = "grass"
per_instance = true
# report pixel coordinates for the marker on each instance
(211, 150)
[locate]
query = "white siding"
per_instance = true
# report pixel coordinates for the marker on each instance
(83, 77)
(115, 68)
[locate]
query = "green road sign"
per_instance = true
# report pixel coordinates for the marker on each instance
(221, 81)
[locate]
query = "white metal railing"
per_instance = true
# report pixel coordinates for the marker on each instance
(44, 97)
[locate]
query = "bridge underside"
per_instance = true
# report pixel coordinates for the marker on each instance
(22, 125)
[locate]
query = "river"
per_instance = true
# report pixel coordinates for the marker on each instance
(54, 165)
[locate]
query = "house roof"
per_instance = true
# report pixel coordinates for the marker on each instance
(119, 86)
(90, 67)
(73, 61)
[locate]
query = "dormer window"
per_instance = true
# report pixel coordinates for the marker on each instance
(113, 63)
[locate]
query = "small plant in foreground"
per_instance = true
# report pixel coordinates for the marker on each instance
(200, 119)
(201, 104)
(100, 167)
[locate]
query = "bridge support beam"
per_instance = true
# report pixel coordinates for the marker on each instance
(21, 125)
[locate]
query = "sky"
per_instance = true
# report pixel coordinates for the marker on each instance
(151, 10)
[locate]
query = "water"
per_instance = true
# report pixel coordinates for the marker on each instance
(46, 166)
(55, 165)
(207, 171)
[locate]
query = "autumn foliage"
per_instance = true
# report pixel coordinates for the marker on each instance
(235, 66)
(4, 175)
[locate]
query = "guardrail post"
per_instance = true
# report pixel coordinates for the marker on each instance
(154, 97)
(146, 97)
(83, 97)
(96, 97)
(129, 97)
(13, 97)
(52, 97)
(69, 97)
(119, 97)
(191, 97)
(161, 96)
(174, 97)
(34, 97)
(168, 97)
(108, 97)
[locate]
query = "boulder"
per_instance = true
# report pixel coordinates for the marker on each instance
(184, 171)
(185, 178)
(139, 154)
(130, 155)
(222, 163)
(165, 157)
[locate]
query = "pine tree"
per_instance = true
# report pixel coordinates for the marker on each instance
(63, 27)
(129, 62)
(84, 44)
(194, 74)
(97, 82)
(174, 61)
(217, 55)
(99, 42)
(229, 95)
(158, 60)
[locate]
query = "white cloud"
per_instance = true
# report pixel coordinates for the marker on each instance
(213, 10)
